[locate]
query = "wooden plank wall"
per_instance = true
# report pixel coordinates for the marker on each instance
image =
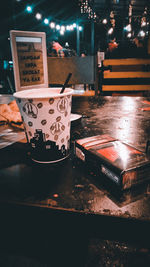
(130, 74)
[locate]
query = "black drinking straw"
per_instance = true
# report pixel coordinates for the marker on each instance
(66, 82)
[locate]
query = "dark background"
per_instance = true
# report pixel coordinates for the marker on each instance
(64, 12)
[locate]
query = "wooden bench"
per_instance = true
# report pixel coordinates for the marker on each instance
(125, 75)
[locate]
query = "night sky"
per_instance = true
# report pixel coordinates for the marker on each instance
(14, 17)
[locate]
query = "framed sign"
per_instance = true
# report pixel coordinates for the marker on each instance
(29, 56)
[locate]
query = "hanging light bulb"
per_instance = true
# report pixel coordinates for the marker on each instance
(29, 9)
(61, 32)
(141, 33)
(62, 28)
(68, 28)
(104, 21)
(52, 25)
(128, 28)
(143, 23)
(57, 27)
(38, 16)
(71, 27)
(46, 21)
(129, 35)
(110, 31)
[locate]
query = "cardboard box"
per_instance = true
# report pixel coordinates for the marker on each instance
(121, 163)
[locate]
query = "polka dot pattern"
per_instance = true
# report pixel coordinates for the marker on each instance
(53, 124)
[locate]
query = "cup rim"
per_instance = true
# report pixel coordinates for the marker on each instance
(20, 94)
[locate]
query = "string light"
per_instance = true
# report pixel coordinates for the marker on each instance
(110, 31)
(52, 24)
(61, 32)
(38, 16)
(143, 23)
(128, 28)
(71, 28)
(57, 27)
(62, 28)
(29, 9)
(68, 27)
(86, 8)
(141, 33)
(46, 21)
(129, 35)
(104, 21)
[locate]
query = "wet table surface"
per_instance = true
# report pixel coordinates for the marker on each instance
(69, 188)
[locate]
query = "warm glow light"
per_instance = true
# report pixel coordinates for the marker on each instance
(143, 23)
(38, 16)
(52, 25)
(71, 28)
(104, 21)
(80, 28)
(128, 28)
(66, 44)
(62, 28)
(57, 27)
(68, 28)
(110, 31)
(29, 9)
(61, 32)
(129, 35)
(46, 21)
(141, 33)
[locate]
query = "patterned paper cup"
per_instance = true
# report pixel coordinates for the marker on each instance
(46, 118)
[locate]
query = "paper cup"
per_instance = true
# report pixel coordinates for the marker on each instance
(46, 118)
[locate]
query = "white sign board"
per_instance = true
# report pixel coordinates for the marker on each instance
(100, 57)
(29, 56)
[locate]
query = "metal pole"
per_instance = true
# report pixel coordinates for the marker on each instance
(92, 38)
(78, 41)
